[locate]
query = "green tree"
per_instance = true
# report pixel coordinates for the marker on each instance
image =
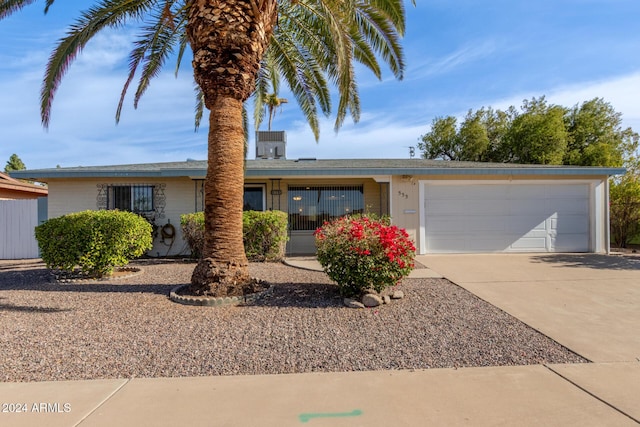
(589, 134)
(446, 141)
(497, 123)
(538, 135)
(596, 136)
(442, 141)
(14, 164)
(480, 137)
(624, 198)
(312, 44)
(474, 138)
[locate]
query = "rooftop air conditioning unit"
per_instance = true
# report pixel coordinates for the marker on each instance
(271, 144)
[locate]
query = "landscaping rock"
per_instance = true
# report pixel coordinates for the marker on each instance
(386, 299)
(116, 326)
(351, 303)
(397, 295)
(371, 300)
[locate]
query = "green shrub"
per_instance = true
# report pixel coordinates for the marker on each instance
(193, 232)
(624, 197)
(94, 241)
(264, 234)
(359, 253)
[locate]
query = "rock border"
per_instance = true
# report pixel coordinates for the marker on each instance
(372, 299)
(60, 276)
(204, 301)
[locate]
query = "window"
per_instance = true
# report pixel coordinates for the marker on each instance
(133, 198)
(253, 198)
(309, 207)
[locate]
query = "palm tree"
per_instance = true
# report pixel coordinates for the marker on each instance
(273, 101)
(240, 47)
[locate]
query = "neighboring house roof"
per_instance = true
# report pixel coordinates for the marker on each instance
(312, 167)
(13, 188)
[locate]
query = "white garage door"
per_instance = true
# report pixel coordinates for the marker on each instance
(506, 217)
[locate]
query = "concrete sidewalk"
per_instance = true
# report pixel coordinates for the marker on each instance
(555, 395)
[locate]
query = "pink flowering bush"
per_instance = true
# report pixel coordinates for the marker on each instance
(361, 253)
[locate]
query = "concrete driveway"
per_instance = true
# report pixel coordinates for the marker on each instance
(589, 303)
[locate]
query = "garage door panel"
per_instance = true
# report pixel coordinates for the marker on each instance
(456, 192)
(529, 192)
(570, 224)
(446, 207)
(530, 243)
(488, 243)
(443, 225)
(490, 192)
(487, 207)
(448, 244)
(567, 242)
(569, 206)
(453, 244)
(521, 225)
(486, 224)
(471, 224)
(448, 225)
(513, 217)
(530, 207)
(564, 191)
(473, 205)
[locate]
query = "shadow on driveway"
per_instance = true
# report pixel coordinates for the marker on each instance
(594, 261)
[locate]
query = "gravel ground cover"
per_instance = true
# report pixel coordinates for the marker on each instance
(129, 328)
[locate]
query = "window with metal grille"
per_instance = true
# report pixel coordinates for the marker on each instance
(309, 207)
(133, 198)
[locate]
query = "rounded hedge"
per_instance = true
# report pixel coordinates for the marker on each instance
(264, 234)
(94, 241)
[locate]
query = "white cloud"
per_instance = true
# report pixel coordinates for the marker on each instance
(106, 50)
(83, 130)
(459, 58)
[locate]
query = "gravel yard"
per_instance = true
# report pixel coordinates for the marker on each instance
(129, 328)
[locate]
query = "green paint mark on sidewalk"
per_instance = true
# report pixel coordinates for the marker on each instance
(307, 417)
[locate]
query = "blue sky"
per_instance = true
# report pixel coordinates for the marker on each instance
(460, 54)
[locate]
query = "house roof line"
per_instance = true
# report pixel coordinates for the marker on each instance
(295, 168)
(9, 183)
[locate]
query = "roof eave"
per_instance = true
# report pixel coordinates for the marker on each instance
(316, 171)
(435, 171)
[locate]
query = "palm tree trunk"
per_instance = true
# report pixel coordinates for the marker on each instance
(228, 39)
(223, 267)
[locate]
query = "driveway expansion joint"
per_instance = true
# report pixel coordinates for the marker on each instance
(105, 400)
(595, 396)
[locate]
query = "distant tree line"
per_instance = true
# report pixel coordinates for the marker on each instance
(589, 134)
